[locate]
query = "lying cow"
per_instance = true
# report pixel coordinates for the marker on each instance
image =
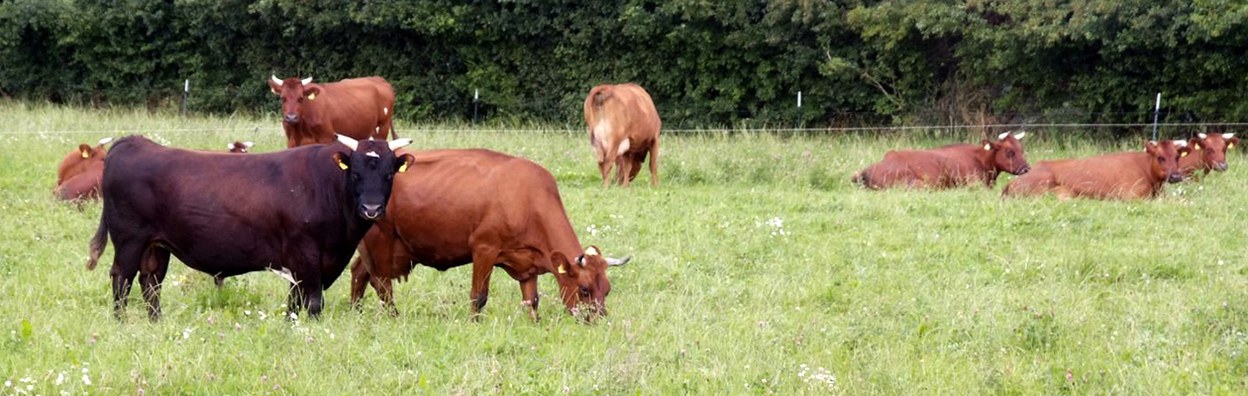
(239, 147)
(1209, 153)
(360, 108)
(623, 129)
(1131, 175)
(78, 176)
(488, 209)
(950, 166)
(300, 212)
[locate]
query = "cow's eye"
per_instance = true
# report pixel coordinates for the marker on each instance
(1161, 159)
(1009, 153)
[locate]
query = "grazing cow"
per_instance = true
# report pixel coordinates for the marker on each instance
(240, 147)
(1209, 153)
(623, 129)
(1131, 175)
(299, 212)
(950, 166)
(360, 108)
(488, 209)
(78, 176)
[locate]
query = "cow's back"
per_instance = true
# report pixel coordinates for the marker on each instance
(946, 166)
(1115, 176)
(622, 111)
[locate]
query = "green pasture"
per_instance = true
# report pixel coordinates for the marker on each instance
(758, 269)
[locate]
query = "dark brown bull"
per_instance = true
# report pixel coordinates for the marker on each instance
(946, 167)
(360, 108)
(300, 212)
(488, 209)
(623, 130)
(1131, 175)
(78, 176)
(1208, 153)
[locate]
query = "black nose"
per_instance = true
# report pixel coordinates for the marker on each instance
(371, 211)
(1175, 177)
(1221, 167)
(291, 118)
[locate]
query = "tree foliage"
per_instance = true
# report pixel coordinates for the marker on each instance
(705, 62)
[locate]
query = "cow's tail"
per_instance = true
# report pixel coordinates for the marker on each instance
(98, 241)
(599, 95)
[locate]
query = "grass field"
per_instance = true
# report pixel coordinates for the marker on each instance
(757, 269)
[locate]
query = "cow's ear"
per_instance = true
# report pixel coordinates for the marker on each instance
(1184, 151)
(341, 160)
(562, 266)
(275, 87)
(311, 91)
(84, 150)
(1194, 143)
(1230, 143)
(405, 161)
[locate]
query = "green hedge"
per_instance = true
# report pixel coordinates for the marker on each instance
(707, 63)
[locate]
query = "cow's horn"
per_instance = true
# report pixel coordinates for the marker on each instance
(399, 143)
(248, 144)
(1201, 135)
(1020, 134)
(1180, 143)
(580, 260)
(611, 261)
(1228, 135)
(110, 138)
(277, 80)
(306, 81)
(1003, 135)
(352, 143)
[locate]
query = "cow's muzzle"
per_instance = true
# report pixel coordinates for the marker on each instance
(1175, 177)
(1220, 167)
(371, 212)
(291, 118)
(1023, 169)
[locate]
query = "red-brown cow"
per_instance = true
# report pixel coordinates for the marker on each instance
(240, 147)
(623, 129)
(361, 108)
(488, 209)
(79, 174)
(1131, 175)
(1208, 153)
(950, 166)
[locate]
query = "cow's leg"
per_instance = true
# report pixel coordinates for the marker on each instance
(529, 297)
(604, 167)
(151, 275)
(360, 277)
(482, 266)
(624, 165)
(126, 260)
(654, 163)
(313, 298)
(634, 166)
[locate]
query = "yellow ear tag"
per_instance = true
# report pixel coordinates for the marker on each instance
(86, 154)
(1183, 154)
(403, 168)
(987, 147)
(312, 96)
(275, 91)
(562, 270)
(1196, 147)
(341, 165)
(1230, 146)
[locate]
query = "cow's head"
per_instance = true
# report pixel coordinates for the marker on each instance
(370, 166)
(1164, 157)
(1007, 154)
(239, 147)
(583, 283)
(1212, 149)
(81, 158)
(293, 92)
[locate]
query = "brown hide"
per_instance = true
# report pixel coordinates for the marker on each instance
(1131, 175)
(949, 166)
(455, 207)
(1208, 152)
(360, 108)
(623, 130)
(78, 176)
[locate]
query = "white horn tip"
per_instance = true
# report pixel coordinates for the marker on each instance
(1228, 135)
(106, 140)
(1003, 135)
(1201, 135)
(352, 143)
(398, 143)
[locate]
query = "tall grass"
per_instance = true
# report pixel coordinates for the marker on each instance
(757, 268)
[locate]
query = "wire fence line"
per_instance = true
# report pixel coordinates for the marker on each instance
(495, 129)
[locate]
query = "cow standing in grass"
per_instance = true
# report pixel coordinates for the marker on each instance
(359, 108)
(623, 130)
(950, 166)
(489, 209)
(1208, 152)
(78, 177)
(1131, 175)
(300, 212)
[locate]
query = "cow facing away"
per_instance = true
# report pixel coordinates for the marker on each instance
(300, 212)
(488, 209)
(623, 130)
(1131, 175)
(950, 166)
(360, 108)
(78, 176)
(1208, 152)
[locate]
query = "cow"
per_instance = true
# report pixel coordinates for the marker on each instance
(623, 129)
(950, 166)
(239, 147)
(299, 212)
(360, 108)
(1208, 153)
(1122, 176)
(489, 209)
(78, 176)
